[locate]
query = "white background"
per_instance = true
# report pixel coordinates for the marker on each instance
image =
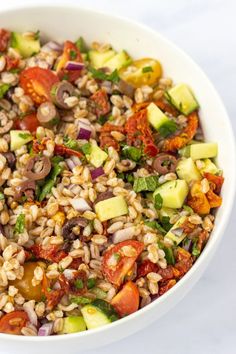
(205, 321)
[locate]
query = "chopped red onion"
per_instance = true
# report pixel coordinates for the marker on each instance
(29, 309)
(97, 172)
(49, 46)
(84, 134)
(72, 162)
(85, 123)
(123, 235)
(73, 66)
(46, 329)
(178, 231)
(80, 204)
(187, 245)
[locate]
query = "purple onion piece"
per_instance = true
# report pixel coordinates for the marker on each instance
(52, 46)
(97, 172)
(187, 245)
(84, 134)
(45, 329)
(73, 66)
(178, 231)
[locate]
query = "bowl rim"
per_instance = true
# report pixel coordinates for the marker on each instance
(231, 140)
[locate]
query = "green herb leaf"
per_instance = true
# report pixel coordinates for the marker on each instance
(132, 153)
(195, 249)
(155, 225)
(25, 135)
(37, 35)
(91, 282)
(100, 75)
(100, 294)
(20, 224)
(80, 44)
(80, 300)
(2, 196)
(71, 143)
(73, 54)
(165, 221)
(102, 120)
(167, 128)
(147, 69)
(158, 201)
(3, 89)
(51, 179)
(79, 284)
(149, 183)
(86, 148)
(169, 254)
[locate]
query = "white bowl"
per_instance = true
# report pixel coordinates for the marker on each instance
(69, 22)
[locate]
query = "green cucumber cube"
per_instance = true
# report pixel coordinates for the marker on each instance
(173, 193)
(187, 170)
(182, 98)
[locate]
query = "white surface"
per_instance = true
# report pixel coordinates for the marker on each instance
(204, 322)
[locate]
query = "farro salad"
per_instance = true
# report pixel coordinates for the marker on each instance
(107, 189)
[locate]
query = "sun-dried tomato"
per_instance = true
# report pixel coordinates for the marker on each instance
(63, 150)
(202, 238)
(4, 39)
(11, 63)
(165, 286)
(101, 105)
(51, 253)
(54, 296)
(216, 182)
(214, 200)
(146, 267)
(199, 203)
(106, 139)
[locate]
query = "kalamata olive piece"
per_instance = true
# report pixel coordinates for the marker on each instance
(67, 231)
(60, 91)
(126, 88)
(103, 196)
(26, 188)
(2, 230)
(37, 167)
(11, 159)
(47, 114)
(164, 163)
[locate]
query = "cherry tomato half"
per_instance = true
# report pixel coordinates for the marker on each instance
(119, 260)
(145, 71)
(37, 83)
(127, 299)
(29, 122)
(13, 322)
(25, 285)
(70, 53)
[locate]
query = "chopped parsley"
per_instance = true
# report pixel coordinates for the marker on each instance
(195, 249)
(42, 191)
(147, 69)
(167, 128)
(20, 224)
(71, 143)
(37, 35)
(132, 153)
(79, 284)
(127, 177)
(100, 75)
(73, 54)
(91, 282)
(80, 44)
(3, 89)
(101, 120)
(165, 221)
(158, 201)
(80, 300)
(155, 225)
(149, 184)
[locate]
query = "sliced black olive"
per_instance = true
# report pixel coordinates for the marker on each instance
(27, 189)
(164, 163)
(126, 88)
(47, 114)
(11, 159)
(103, 196)
(67, 230)
(45, 167)
(60, 91)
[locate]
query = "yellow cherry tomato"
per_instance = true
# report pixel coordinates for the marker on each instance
(144, 71)
(25, 286)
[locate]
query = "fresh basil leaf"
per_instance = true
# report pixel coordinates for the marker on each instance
(100, 75)
(167, 128)
(24, 135)
(132, 153)
(73, 55)
(165, 221)
(149, 184)
(155, 225)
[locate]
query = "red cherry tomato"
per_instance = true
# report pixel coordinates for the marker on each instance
(119, 260)
(37, 83)
(127, 299)
(70, 53)
(13, 322)
(29, 122)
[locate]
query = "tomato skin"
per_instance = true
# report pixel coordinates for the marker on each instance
(216, 182)
(72, 75)
(116, 274)
(127, 299)
(101, 103)
(29, 122)
(146, 267)
(4, 39)
(13, 322)
(25, 286)
(37, 83)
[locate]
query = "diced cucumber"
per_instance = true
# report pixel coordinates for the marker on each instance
(19, 138)
(98, 59)
(182, 98)
(97, 156)
(100, 294)
(73, 324)
(118, 61)
(163, 212)
(155, 116)
(111, 208)
(203, 150)
(173, 193)
(176, 233)
(209, 167)
(25, 44)
(98, 313)
(187, 170)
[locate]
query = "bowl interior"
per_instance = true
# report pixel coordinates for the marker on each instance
(65, 22)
